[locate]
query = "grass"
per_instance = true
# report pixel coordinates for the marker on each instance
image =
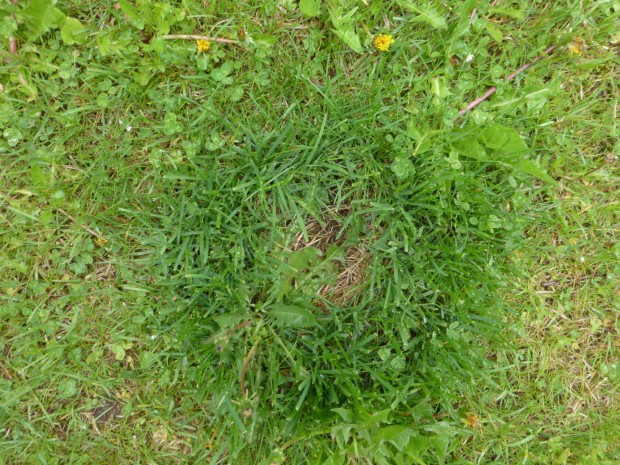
(232, 257)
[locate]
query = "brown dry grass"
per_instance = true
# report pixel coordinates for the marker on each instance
(353, 272)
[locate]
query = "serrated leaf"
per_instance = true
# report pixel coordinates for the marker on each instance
(425, 15)
(443, 433)
(350, 37)
(310, 8)
(291, 315)
(417, 446)
(336, 253)
(303, 258)
(73, 32)
(396, 434)
(229, 320)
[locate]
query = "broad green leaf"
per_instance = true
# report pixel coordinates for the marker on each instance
(335, 459)
(264, 40)
(384, 353)
(350, 37)
(347, 415)
(537, 99)
(533, 169)
(222, 73)
(38, 175)
(291, 315)
(146, 359)
(425, 15)
(504, 139)
(8, 25)
(41, 15)
(336, 253)
(464, 22)
(310, 8)
(303, 258)
(155, 45)
(470, 148)
(396, 434)
(422, 411)
(417, 446)
(495, 33)
(73, 32)
(423, 138)
(229, 320)
(25, 85)
(443, 433)
(108, 46)
(132, 13)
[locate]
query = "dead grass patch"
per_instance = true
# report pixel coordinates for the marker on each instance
(352, 272)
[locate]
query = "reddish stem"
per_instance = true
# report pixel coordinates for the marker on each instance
(239, 326)
(508, 78)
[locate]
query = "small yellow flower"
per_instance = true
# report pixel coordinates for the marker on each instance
(100, 241)
(577, 47)
(471, 420)
(382, 42)
(203, 45)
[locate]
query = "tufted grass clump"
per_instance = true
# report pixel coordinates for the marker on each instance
(335, 300)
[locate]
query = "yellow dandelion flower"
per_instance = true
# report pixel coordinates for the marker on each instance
(471, 420)
(577, 47)
(203, 45)
(382, 42)
(100, 241)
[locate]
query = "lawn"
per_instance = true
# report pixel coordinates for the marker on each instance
(269, 232)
